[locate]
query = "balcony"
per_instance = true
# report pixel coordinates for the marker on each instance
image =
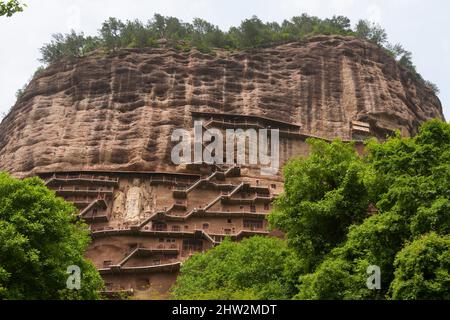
(79, 190)
(82, 178)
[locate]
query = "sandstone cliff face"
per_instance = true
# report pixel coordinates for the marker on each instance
(117, 112)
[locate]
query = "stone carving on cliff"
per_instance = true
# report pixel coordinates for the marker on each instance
(149, 198)
(134, 202)
(118, 205)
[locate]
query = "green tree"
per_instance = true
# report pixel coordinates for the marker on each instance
(11, 7)
(39, 240)
(69, 46)
(110, 33)
(251, 33)
(170, 28)
(409, 180)
(433, 86)
(324, 195)
(342, 274)
(406, 62)
(298, 27)
(422, 270)
(256, 268)
(403, 57)
(342, 213)
(206, 36)
(338, 25)
(135, 35)
(371, 31)
(20, 92)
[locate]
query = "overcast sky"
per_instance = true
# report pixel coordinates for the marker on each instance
(421, 26)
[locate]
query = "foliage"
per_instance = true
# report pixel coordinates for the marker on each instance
(115, 34)
(422, 270)
(39, 240)
(251, 33)
(372, 32)
(256, 268)
(324, 195)
(342, 213)
(410, 182)
(68, 46)
(404, 59)
(342, 275)
(20, 92)
(11, 7)
(432, 86)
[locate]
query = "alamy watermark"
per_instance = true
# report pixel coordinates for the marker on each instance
(374, 279)
(242, 147)
(74, 280)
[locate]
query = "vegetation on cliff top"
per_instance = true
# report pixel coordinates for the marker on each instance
(10, 7)
(39, 239)
(342, 213)
(251, 33)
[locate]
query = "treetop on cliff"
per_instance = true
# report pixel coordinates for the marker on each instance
(115, 34)
(10, 7)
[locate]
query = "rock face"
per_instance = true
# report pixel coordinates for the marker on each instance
(98, 131)
(117, 112)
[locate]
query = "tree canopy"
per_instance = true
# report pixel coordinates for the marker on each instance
(324, 195)
(10, 7)
(254, 269)
(422, 269)
(408, 181)
(115, 34)
(342, 213)
(39, 239)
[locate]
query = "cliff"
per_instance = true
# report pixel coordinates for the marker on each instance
(116, 112)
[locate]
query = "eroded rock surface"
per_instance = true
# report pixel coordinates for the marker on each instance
(117, 112)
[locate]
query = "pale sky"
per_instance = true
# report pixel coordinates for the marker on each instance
(421, 26)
